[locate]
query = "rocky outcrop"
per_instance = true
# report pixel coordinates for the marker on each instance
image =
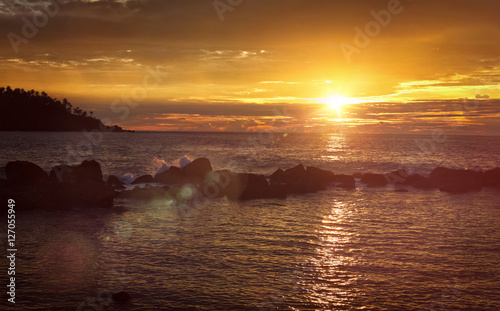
(252, 186)
(374, 180)
(83, 186)
(456, 181)
(197, 171)
(24, 173)
(172, 176)
(144, 179)
(491, 178)
(65, 187)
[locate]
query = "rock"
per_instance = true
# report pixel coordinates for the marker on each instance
(24, 173)
(88, 170)
(458, 188)
(172, 176)
(121, 297)
(143, 179)
(456, 181)
(397, 177)
(424, 184)
(412, 179)
(144, 194)
(114, 181)
(491, 178)
(374, 180)
(197, 170)
(346, 181)
(294, 175)
(318, 177)
(357, 175)
(91, 193)
(275, 177)
(252, 186)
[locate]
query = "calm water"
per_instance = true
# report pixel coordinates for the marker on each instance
(365, 249)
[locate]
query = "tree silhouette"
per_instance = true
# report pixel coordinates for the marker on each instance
(31, 110)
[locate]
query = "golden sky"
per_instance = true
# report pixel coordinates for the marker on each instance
(296, 65)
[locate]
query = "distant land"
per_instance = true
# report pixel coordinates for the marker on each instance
(22, 110)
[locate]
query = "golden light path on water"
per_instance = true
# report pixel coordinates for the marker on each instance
(334, 255)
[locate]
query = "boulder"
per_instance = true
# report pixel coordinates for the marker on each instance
(491, 178)
(456, 181)
(143, 179)
(252, 186)
(114, 181)
(90, 194)
(172, 176)
(197, 170)
(319, 177)
(374, 180)
(346, 181)
(412, 179)
(24, 173)
(294, 175)
(397, 177)
(88, 170)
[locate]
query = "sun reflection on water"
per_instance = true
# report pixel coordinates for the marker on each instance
(330, 266)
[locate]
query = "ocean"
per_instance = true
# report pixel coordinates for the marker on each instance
(338, 249)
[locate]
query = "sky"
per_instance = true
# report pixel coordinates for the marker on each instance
(330, 66)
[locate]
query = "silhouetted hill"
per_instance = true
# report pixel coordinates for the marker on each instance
(22, 110)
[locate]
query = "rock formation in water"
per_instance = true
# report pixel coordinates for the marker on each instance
(82, 185)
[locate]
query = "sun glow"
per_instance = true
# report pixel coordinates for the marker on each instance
(335, 102)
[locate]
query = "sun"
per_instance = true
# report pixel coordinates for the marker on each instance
(335, 102)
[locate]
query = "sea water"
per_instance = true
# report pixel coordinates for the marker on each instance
(362, 249)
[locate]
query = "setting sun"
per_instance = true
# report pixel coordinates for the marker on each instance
(335, 102)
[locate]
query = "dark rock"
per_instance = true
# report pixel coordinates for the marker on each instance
(121, 297)
(397, 177)
(114, 181)
(424, 184)
(88, 170)
(357, 175)
(458, 188)
(456, 181)
(374, 180)
(143, 179)
(252, 186)
(172, 176)
(491, 178)
(346, 181)
(197, 170)
(91, 193)
(294, 175)
(412, 179)
(318, 177)
(144, 194)
(275, 177)
(24, 173)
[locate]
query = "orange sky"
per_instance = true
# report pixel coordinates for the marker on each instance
(357, 66)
